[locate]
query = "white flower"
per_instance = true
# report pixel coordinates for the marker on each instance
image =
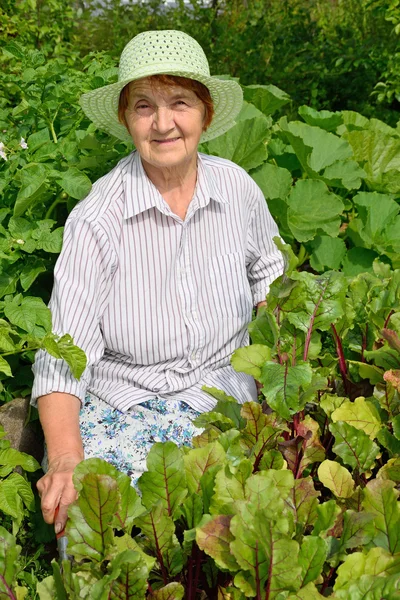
(3, 155)
(23, 144)
(2, 146)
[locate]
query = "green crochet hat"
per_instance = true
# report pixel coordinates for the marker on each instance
(166, 52)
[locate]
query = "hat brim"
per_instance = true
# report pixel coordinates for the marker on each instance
(101, 105)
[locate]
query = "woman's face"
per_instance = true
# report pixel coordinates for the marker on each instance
(165, 123)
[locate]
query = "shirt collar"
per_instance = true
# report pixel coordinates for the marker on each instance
(141, 194)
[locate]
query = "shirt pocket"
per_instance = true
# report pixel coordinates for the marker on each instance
(230, 287)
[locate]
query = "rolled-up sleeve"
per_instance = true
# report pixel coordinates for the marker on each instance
(264, 261)
(82, 280)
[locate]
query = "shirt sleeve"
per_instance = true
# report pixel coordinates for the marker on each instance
(82, 281)
(264, 261)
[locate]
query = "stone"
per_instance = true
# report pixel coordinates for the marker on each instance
(23, 436)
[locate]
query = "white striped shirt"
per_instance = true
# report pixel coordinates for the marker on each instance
(159, 304)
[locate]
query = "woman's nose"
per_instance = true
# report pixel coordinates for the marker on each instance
(164, 119)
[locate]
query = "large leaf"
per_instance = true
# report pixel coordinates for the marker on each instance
(165, 478)
(313, 553)
(244, 143)
(127, 579)
(12, 458)
(264, 329)
(378, 224)
(335, 477)
(33, 177)
(274, 181)
(129, 506)
(380, 155)
(73, 356)
(267, 98)
(172, 591)
(361, 414)
(354, 446)
(377, 562)
(250, 359)
(381, 499)
(315, 148)
(159, 529)
(263, 553)
(316, 302)
(321, 118)
(328, 253)
(200, 460)
(229, 488)
(75, 183)
(213, 536)
(282, 386)
(9, 565)
(304, 503)
(313, 197)
(89, 528)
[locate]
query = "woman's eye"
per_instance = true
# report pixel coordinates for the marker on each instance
(180, 103)
(142, 106)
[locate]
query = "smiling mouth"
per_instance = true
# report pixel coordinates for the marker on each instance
(166, 142)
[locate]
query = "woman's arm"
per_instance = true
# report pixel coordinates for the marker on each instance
(59, 415)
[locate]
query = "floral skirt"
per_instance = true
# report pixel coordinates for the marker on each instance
(124, 439)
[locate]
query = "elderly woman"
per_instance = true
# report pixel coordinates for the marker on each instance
(160, 269)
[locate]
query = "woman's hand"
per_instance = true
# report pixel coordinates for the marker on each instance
(57, 490)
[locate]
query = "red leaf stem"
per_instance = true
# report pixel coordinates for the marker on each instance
(342, 360)
(10, 593)
(310, 328)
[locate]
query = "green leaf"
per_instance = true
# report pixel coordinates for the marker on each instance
(378, 222)
(244, 143)
(274, 181)
(29, 313)
(304, 503)
(321, 118)
(14, 458)
(327, 512)
(5, 367)
(377, 562)
(358, 530)
(313, 197)
(128, 577)
(129, 505)
(45, 588)
(250, 359)
(33, 176)
(200, 460)
(10, 501)
(312, 556)
(159, 530)
(282, 385)
(9, 564)
(309, 592)
(336, 478)
(75, 183)
(213, 536)
(38, 138)
(315, 148)
(172, 591)
(24, 489)
(73, 356)
(229, 488)
(359, 260)
(361, 414)
(327, 253)
(381, 499)
(390, 470)
(267, 98)
(89, 529)
(264, 329)
(379, 154)
(165, 478)
(263, 553)
(354, 446)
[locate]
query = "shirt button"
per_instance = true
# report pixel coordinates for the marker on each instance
(193, 356)
(194, 313)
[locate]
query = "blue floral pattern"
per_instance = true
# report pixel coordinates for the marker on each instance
(124, 439)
